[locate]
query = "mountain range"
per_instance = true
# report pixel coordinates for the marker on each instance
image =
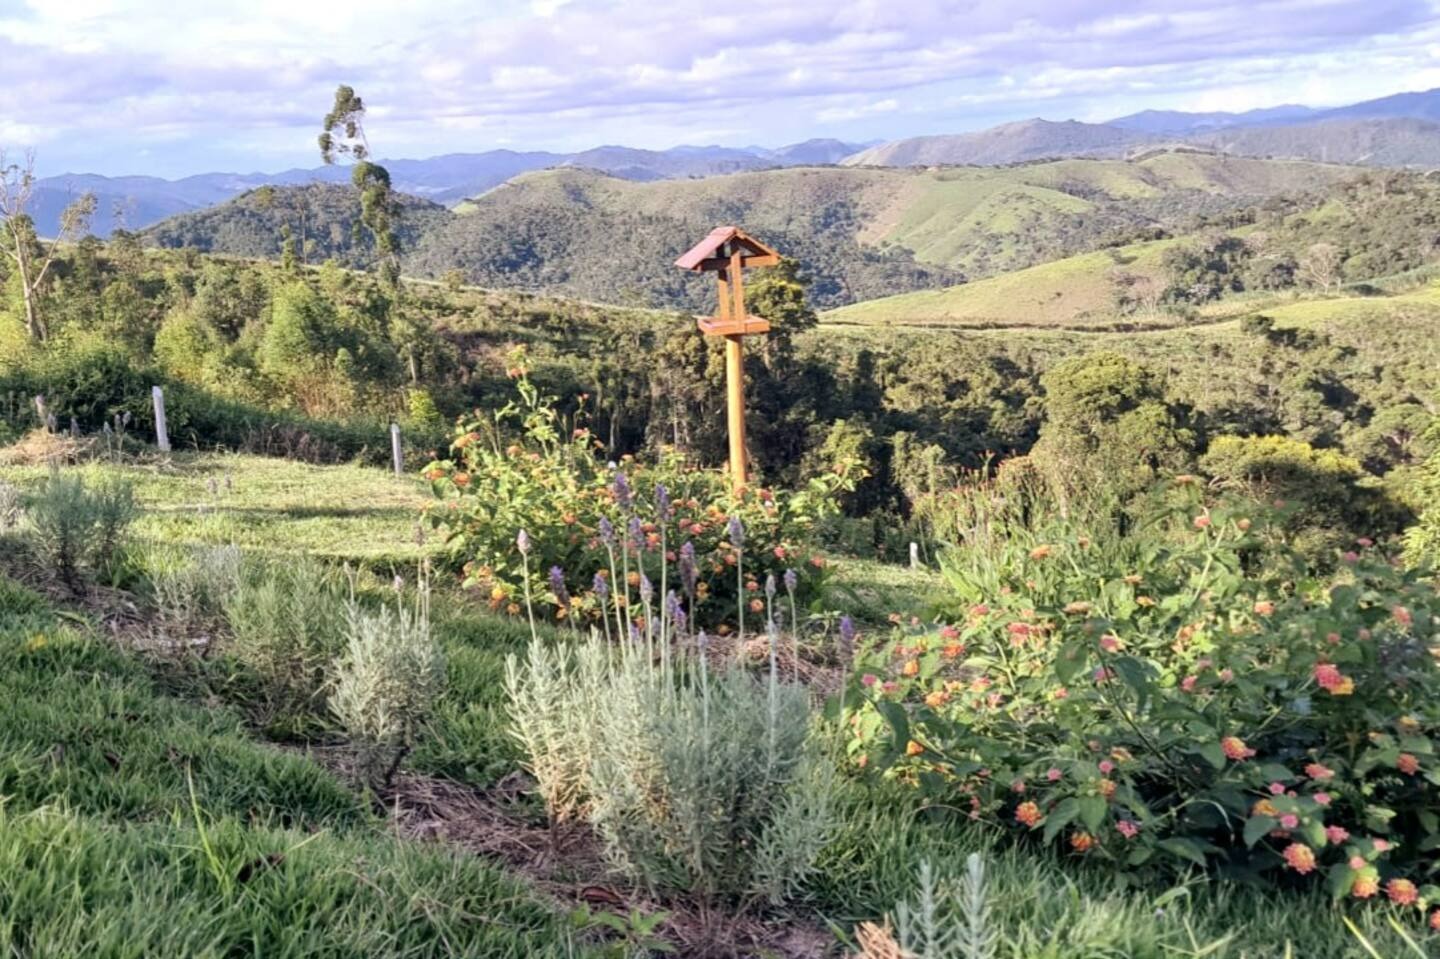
(1400, 130)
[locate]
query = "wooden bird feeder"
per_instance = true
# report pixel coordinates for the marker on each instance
(726, 252)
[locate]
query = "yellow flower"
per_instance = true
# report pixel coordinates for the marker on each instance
(37, 641)
(912, 748)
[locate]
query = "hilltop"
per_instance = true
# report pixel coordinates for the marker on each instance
(859, 233)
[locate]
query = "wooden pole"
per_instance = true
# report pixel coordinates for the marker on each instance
(162, 436)
(42, 411)
(732, 307)
(397, 452)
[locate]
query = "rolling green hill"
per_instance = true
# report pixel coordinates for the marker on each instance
(859, 233)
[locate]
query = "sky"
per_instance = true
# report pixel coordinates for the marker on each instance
(135, 87)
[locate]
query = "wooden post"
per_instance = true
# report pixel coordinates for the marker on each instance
(914, 555)
(397, 452)
(42, 411)
(162, 436)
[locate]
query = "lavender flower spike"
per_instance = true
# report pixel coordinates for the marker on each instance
(792, 579)
(737, 532)
(557, 586)
(522, 541)
(662, 503)
(770, 586)
(847, 636)
(689, 572)
(607, 531)
(676, 610)
(647, 589)
(637, 533)
(601, 586)
(623, 495)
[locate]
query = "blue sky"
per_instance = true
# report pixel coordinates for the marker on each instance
(132, 86)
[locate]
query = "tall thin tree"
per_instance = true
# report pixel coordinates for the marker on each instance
(32, 258)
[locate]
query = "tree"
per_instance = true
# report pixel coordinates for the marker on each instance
(1321, 265)
(778, 294)
(33, 260)
(344, 135)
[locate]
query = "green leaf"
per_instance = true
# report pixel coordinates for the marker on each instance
(1257, 827)
(1060, 817)
(1341, 878)
(1184, 848)
(1092, 812)
(899, 722)
(1213, 754)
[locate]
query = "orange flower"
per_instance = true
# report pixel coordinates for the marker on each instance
(1264, 807)
(1234, 748)
(1407, 764)
(757, 606)
(912, 748)
(1365, 885)
(1077, 608)
(1402, 616)
(1042, 551)
(1107, 788)
(937, 699)
(1402, 892)
(498, 593)
(911, 668)
(1264, 608)
(1300, 857)
(1028, 814)
(1081, 842)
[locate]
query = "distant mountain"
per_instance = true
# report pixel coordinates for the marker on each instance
(1179, 123)
(1424, 105)
(138, 201)
(1008, 143)
(1394, 141)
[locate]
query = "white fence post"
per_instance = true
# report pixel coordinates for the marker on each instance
(42, 411)
(162, 436)
(396, 452)
(914, 555)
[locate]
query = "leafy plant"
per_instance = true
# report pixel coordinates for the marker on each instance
(191, 587)
(1195, 698)
(386, 683)
(78, 529)
(285, 629)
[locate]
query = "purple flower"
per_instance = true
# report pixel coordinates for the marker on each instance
(522, 540)
(770, 586)
(792, 579)
(557, 586)
(607, 531)
(676, 611)
(601, 585)
(637, 533)
(847, 636)
(689, 572)
(647, 589)
(737, 532)
(662, 503)
(623, 496)
(702, 641)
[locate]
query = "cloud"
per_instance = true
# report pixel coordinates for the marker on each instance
(226, 77)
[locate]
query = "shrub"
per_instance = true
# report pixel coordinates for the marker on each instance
(706, 783)
(285, 627)
(585, 518)
(1178, 702)
(76, 528)
(191, 587)
(386, 684)
(10, 507)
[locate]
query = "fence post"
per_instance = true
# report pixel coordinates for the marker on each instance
(162, 436)
(914, 555)
(396, 452)
(42, 411)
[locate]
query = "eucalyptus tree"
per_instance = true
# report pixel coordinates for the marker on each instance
(32, 258)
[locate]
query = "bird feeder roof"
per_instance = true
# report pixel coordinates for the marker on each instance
(710, 253)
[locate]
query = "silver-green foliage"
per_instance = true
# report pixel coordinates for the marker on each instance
(948, 919)
(386, 683)
(707, 782)
(77, 528)
(286, 626)
(192, 587)
(10, 507)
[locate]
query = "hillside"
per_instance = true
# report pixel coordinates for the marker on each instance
(1377, 226)
(859, 233)
(1396, 141)
(1008, 143)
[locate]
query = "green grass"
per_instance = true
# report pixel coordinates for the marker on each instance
(133, 824)
(362, 514)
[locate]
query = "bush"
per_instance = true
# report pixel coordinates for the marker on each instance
(10, 507)
(77, 529)
(286, 628)
(191, 587)
(710, 784)
(584, 517)
(1177, 702)
(386, 684)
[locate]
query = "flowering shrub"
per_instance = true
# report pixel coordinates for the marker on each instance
(595, 532)
(1177, 701)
